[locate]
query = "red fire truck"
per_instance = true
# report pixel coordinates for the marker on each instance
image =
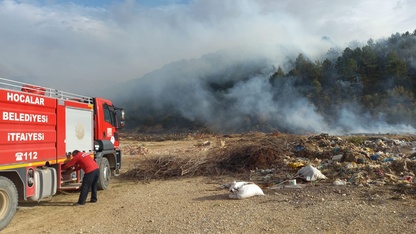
(39, 128)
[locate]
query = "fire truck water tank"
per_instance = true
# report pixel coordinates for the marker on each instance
(45, 183)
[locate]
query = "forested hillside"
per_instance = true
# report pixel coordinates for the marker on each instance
(367, 88)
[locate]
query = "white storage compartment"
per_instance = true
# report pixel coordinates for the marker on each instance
(45, 183)
(79, 129)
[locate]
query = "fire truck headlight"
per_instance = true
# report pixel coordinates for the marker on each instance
(96, 146)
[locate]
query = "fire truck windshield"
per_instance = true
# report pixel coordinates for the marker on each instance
(114, 116)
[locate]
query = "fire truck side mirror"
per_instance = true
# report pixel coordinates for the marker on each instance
(121, 116)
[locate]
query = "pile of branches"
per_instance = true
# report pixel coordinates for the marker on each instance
(240, 157)
(251, 155)
(164, 167)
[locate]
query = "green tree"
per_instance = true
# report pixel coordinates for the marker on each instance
(346, 65)
(395, 66)
(369, 69)
(303, 66)
(317, 86)
(278, 74)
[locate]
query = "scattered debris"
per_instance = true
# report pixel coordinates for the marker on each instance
(132, 150)
(296, 165)
(205, 143)
(339, 182)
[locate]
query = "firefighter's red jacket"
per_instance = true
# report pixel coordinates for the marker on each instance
(82, 161)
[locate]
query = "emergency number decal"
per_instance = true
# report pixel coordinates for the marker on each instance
(23, 156)
(29, 153)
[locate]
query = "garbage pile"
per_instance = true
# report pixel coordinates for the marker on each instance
(355, 160)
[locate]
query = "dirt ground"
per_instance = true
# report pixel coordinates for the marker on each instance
(198, 204)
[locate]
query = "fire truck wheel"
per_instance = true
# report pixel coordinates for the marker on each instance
(105, 174)
(8, 201)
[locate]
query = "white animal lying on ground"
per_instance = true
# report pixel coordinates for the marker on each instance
(241, 190)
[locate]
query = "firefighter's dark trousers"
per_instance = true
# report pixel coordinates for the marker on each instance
(89, 182)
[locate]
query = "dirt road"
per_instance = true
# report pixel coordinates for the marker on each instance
(199, 205)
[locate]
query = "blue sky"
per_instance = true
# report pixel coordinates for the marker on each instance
(56, 44)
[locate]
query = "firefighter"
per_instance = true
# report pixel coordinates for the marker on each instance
(91, 169)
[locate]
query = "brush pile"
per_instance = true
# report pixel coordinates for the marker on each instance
(242, 154)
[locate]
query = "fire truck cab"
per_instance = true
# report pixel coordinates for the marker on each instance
(39, 128)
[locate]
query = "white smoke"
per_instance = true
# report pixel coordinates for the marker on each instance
(77, 46)
(228, 91)
(353, 120)
(86, 49)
